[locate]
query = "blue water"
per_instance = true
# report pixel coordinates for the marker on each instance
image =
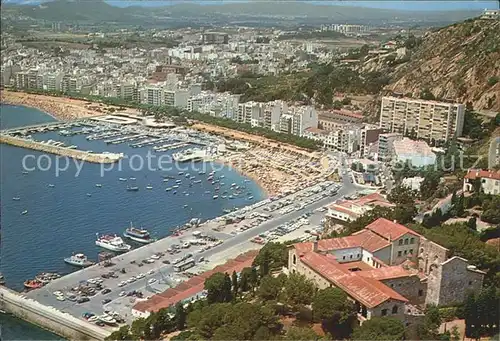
(64, 219)
(17, 329)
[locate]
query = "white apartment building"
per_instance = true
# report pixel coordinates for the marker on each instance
(272, 113)
(152, 95)
(303, 117)
(69, 84)
(489, 180)
(344, 139)
(417, 153)
(249, 112)
(176, 98)
(52, 81)
(29, 80)
(431, 120)
(386, 145)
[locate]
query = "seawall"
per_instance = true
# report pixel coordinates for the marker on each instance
(49, 318)
(73, 153)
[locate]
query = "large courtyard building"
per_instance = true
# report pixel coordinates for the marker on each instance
(430, 120)
(386, 269)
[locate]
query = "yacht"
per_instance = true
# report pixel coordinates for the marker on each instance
(78, 260)
(193, 154)
(138, 235)
(112, 242)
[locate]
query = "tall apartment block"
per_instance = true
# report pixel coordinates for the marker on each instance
(431, 120)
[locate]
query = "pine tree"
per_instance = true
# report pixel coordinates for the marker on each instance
(234, 280)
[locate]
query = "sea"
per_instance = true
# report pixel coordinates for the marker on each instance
(85, 199)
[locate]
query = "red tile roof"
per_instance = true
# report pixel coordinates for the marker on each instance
(387, 272)
(388, 229)
(364, 238)
(194, 285)
(367, 291)
(479, 174)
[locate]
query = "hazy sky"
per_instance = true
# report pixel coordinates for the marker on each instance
(390, 4)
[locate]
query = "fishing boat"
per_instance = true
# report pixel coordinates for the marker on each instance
(78, 260)
(98, 185)
(33, 284)
(112, 242)
(149, 187)
(122, 179)
(24, 212)
(16, 198)
(132, 188)
(138, 235)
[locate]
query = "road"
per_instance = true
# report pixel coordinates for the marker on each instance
(163, 273)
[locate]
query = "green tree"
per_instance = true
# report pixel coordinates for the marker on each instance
(218, 289)
(272, 256)
(234, 283)
(270, 288)
(380, 328)
(300, 334)
(402, 195)
(180, 316)
(298, 290)
(244, 279)
(120, 334)
(429, 184)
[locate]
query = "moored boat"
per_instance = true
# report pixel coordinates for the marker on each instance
(33, 284)
(16, 198)
(24, 212)
(132, 188)
(138, 235)
(112, 242)
(78, 260)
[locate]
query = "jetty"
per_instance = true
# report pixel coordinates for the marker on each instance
(58, 150)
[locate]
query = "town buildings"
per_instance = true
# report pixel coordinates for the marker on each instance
(489, 181)
(350, 210)
(429, 120)
(386, 145)
(386, 269)
(416, 153)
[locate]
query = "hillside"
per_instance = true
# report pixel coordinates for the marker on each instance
(459, 62)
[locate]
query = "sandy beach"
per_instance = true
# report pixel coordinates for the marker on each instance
(60, 108)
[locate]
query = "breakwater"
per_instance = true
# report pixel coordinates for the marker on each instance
(49, 318)
(62, 151)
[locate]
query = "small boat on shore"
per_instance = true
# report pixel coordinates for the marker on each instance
(16, 198)
(132, 188)
(78, 260)
(47, 277)
(24, 212)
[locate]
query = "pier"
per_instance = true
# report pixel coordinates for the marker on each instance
(62, 151)
(49, 317)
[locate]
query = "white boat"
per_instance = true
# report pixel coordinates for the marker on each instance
(215, 196)
(98, 185)
(16, 198)
(24, 212)
(112, 242)
(194, 154)
(138, 235)
(149, 187)
(78, 260)
(122, 179)
(107, 319)
(51, 185)
(132, 178)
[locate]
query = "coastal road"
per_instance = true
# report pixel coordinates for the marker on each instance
(238, 242)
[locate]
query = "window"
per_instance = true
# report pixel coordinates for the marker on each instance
(406, 241)
(294, 259)
(395, 309)
(401, 242)
(358, 255)
(406, 252)
(410, 251)
(384, 312)
(470, 282)
(412, 240)
(420, 292)
(350, 256)
(399, 253)
(343, 257)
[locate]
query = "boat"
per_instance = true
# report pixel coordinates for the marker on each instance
(46, 277)
(132, 178)
(132, 188)
(16, 198)
(201, 172)
(178, 181)
(78, 260)
(112, 242)
(168, 189)
(89, 195)
(98, 185)
(175, 186)
(250, 197)
(230, 197)
(180, 173)
(165, 180)
(122, 179)
(215, 196)
(33, 284)
(52, 185)
(107, 319)
(222, 176)
(25, 172)
(187, 175)
(2, 279)
(194, 154)
(186, 206)
(196, 181)
(24, 212)
(175, 192)
(149, 187)
(138, 235)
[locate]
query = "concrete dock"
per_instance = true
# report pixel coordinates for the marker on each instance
(62, 151)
